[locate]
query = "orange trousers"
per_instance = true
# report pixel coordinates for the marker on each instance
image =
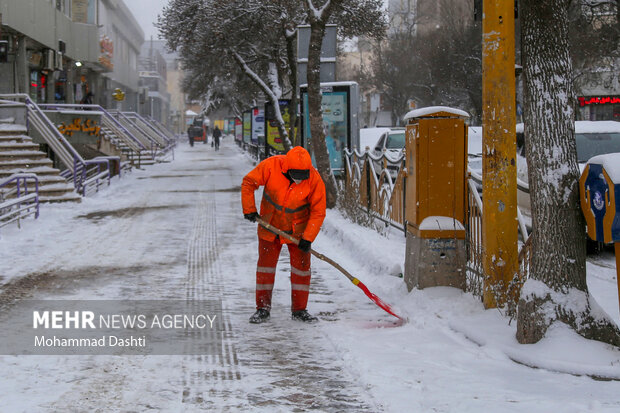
(268, 254)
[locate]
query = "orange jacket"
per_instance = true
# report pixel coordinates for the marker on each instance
(297, 209)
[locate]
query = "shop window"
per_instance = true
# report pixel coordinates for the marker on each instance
(602, 112)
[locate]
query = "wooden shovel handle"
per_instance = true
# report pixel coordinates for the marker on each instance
(313, 252)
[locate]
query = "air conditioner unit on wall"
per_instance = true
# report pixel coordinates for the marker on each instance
(58, 63)
(49, 60)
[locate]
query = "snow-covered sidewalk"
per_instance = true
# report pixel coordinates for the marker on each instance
(176, 231)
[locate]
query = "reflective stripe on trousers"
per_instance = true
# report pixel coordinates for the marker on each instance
(268, 254)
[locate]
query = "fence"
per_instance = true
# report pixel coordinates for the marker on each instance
(380, 191)
(380, 194)
(118, 134)
(17, 199)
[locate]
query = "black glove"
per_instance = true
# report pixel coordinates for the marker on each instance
(251, 216)
(304, 245)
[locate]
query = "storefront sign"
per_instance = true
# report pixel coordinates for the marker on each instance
(106, 53)
(34, 58)
(90, 127)
(599, 100)
(79, 11)
(273, 133)
(258, 126)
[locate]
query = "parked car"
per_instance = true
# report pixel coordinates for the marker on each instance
(369, 137)
(593, 138)
(393, 142)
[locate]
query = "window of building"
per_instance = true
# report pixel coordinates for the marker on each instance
(133, 59)
(83, 11)
(602, 112)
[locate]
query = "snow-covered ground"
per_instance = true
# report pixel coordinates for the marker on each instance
(176, 231)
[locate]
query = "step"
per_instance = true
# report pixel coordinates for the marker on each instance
(12, 129)
(41, 171)
(15, 138)
(44, 180)
(18, 146)
(7, 164)
(21, 154)
(66, 197)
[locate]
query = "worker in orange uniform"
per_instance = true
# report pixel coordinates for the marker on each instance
(294, 202)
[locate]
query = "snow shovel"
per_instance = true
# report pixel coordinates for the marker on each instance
(328, 260)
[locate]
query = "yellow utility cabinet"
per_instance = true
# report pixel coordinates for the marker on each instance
(436, 161)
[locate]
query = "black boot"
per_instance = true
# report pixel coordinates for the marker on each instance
(260, 316)
(305, 316)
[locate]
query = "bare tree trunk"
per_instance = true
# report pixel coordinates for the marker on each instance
(557, 289)
(317, 143)
(292, 59)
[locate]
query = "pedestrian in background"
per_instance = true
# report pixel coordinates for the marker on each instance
(216, 137)
(294, 202)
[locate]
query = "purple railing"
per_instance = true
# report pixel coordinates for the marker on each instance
(79, 168)
(17, 200)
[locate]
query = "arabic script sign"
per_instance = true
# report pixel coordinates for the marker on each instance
(89, 126)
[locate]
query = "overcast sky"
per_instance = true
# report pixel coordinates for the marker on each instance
(145, 12)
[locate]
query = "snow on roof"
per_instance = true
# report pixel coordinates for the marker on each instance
(611, 164)
(416, 113)
(190, 112)
(328, 84)
(589, 126)
(601, 126)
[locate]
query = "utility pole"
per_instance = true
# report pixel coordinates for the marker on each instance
(499, 171)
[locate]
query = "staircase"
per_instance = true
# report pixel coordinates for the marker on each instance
(136, 158)
(19, 154)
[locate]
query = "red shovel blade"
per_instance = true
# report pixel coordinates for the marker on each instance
(376, 299)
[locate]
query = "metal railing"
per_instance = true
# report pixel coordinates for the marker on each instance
(382, 193)
(475, 266)
(165, 144)
(147, 128)
(119, 136)
(77, 167)
(17, 200)
(172, 137)
(385, 198)
(256, 151)
(149, 143)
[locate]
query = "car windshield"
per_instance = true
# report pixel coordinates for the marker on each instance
(593, 144)
(396, 141)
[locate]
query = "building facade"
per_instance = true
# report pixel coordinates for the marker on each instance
(122, 35)
(48, 43)
(70, 51)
